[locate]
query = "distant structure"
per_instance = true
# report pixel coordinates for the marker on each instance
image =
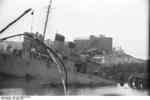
(100, 43)
(9, 46)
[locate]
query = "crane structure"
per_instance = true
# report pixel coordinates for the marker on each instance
(10, 24)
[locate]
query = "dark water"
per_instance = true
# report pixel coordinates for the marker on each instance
(19, 87)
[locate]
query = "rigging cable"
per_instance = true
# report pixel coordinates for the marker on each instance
(63, 65)
(58, 67)
(49, 50)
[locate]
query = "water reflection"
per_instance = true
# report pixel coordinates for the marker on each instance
(113, 91)
(20, 87)
(101, 91)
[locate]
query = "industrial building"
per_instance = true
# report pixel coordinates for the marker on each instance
(100, 43)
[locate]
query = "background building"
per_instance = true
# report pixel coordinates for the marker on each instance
(100, 43)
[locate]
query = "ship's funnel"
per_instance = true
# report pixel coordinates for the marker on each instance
(71, 45)
(59, 42)
(59, 37)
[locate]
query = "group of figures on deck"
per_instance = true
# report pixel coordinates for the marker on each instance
(135, 82)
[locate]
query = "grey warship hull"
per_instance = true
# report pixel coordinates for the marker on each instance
(45, 72)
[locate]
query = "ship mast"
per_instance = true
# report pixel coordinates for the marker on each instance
(48, 11)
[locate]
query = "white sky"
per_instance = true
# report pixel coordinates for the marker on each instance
(124, 20)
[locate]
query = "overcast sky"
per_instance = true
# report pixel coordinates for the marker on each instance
(126, 21)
